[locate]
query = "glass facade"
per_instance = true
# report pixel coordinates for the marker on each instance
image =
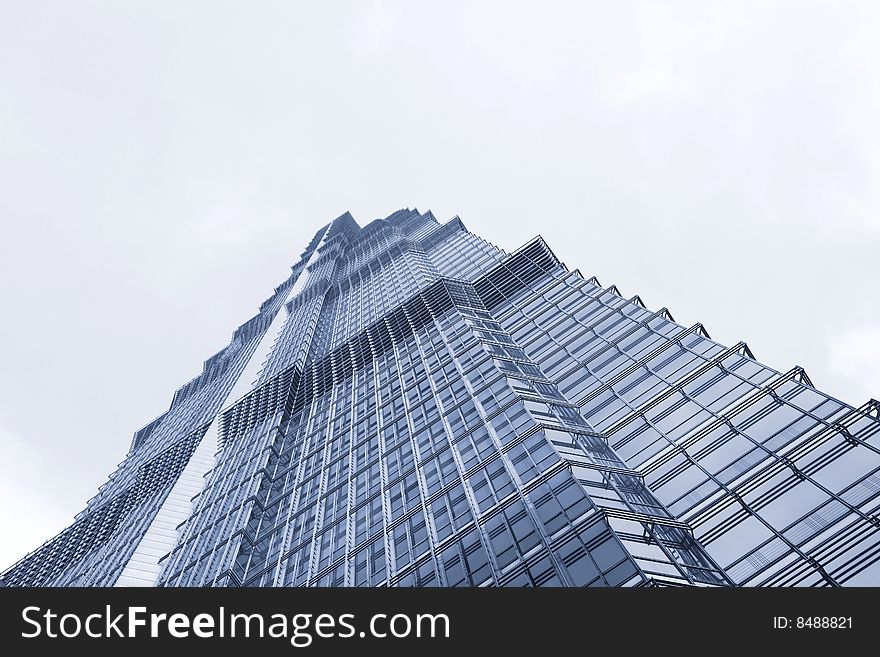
(414, 406)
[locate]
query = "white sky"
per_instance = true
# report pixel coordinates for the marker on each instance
(163, 163)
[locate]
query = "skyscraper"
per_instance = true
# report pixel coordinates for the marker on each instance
(415, 406)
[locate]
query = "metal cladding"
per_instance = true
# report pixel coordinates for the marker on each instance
(414, 406)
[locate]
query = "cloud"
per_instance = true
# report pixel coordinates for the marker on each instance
(31, 510)
(854, 357)
(163, 165)
(376, 31)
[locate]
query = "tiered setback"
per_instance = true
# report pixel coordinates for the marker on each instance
(414, 406)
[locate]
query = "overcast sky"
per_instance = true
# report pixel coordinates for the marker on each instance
(164, 163)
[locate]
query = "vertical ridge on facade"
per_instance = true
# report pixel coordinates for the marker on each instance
(413, 406)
